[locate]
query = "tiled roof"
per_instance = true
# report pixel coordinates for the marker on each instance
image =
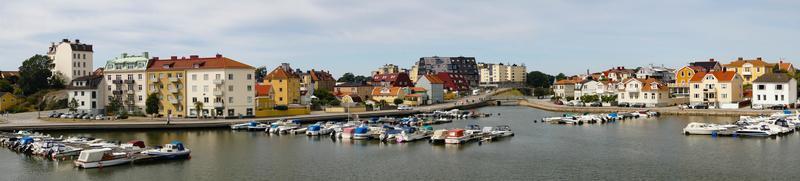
(92, 81)
(773, 78)
(263, 90)
(566, 82)
(785, 66)
(721, 76)
(418, 89)
(195, 62)
(281, 73)
(433, 79)
(383, 91)
(757, 62)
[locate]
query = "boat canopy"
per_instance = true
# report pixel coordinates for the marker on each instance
(314, 127)
(427, 127)
(296, 121)
(253, 123)
(137, 143)
(361, 130)
(393, 131)
(26, 140)
(178, 145)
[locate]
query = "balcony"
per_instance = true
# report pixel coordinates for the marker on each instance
(218, 93)
(130, 81)
(154, 79)
(130, 92)
(219, 105)
(174, 79)
(117, 92)
(116, 81)
(219, 81)
(173, 90)
(710, 90)
(173, 100)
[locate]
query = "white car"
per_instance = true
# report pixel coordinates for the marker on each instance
(757, 106)
(404, 107)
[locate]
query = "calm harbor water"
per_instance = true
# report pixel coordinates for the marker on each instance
(647, 149)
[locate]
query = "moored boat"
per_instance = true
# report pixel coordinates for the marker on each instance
(174, 150)
(104, 157)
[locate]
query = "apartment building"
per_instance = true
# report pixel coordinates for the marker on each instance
(71, 59)
(125, 80)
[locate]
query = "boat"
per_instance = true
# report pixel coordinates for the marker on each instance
(103, 157)
(695, 128)
(410, 134)
(299, 130)
(256, 126)
(174, 150)
(500, 131)
(457, 136)
(287, 128)
(757, 131)
(347, 133)
(61, 150)
(318, 129)
(361, 133)
(240, 126)
(273, 128)
(439, 136)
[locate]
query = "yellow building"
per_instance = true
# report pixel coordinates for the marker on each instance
(8, 100)
(285, 85)
(682, 78)
(265, 104)
(166, 78)
(389, 94)
(750, 70)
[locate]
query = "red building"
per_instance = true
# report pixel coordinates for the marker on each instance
(392, 80)
(453, 82)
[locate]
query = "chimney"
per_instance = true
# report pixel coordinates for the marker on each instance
(65, 40)
(146, 54)
(219, 55)
(193, 57)
(711, 60)
(758, 58)
(124, 55)
(77, 41)
(173, 58)
(740, 58)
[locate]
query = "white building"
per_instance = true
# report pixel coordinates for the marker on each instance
(774, 89)
(71, 59)
(223, 85)
(565, 89)
(593, 87)
(644, 92)
(88, 93)
(434, 87)
(494, 75)
(659, 73)
(125, 81)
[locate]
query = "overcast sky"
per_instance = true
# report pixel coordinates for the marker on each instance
(358, 36)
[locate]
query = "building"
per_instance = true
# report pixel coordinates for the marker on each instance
(89, 93)
(71, 59)
(392, 80)
(776, 89)
(361, 90)
(319, 80)
(225, 87)
(750, 70)
(434, 87)
(565, 89)
(708, 66)
(453, 82)
(464, 66)
(501, 75)
(387, 69)
(10, 76)
(644, 92)
(166, 79)
(719, 89)
(265, 99)
(787, 67)
(660, 73)
(593, 87)
(8, 100)
(389, 94)
(125, 81)
(680, 87)
(266, 107)
(417, 96)
(618, 74)
(285, 84)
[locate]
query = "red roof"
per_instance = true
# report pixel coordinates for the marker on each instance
(433, 79)
(195, 62)
(281, 72)
(396, 79)
(263, 90)
(721, 76)
(453, 82)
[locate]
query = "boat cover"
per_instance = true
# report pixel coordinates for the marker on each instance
(178, 145)
(361, 130)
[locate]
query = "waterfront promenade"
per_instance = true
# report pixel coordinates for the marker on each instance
(29, 121)
(546, 104)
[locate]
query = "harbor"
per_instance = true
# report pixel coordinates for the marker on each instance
(656, 145)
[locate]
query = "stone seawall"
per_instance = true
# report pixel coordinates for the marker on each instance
(548, 106)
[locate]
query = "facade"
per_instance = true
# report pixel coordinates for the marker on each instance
(166, 79)
(647, 92)
(750, 70)
(361, 90)
(501, 75)
(434, 87)
(285, 84)
(71, 59)
(225, 87)
(776, 89)
(618, 74)
(660, 73)
(708, 66)
(416, 97)
(392, 80)
(387, 69)
(464, 66)
(680, 87)
(565, 89)
(389, 94)
(89, 92)
(453, 82)
(319, 80)
(8, 100)
(720, 89)
(593, 87)
(265, 99)
(125, 81)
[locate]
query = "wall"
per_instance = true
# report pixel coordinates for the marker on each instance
(275, 113)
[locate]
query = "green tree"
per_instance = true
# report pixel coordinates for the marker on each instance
(362, 79)
(152, 105)
(398, 101)
(561, 76)
(73, 106)
(589, 98)
(34, 74)
(347, 77)
(335, 102)
(261, 72)
(538, 79)
(5, 86)
(540, 92)
(57, 81)
(114, 105)
(609, 99)
(198, 106)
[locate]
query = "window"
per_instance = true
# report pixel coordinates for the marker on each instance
(194, 88)
(205, 100)
(249, 88)
(249, 99)
(776, 97)
(280, 89)
(205, 88)
(779, 87)
(140, 98)
(205, 76)
(761, 87)
(782, 98)
(249, 76)
(230, 76)
(724, 96)
(140, 87)
(194, 76)
(230, 100)
(230, 88)
(194, 99)
(724, 86)
(696, 95)
(696, 86)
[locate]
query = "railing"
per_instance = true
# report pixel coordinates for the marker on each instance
(116, 81)
(130, 81)
(219, 105)
(173, 100)
(218, 93)
(117, 92)
(173, 90)
(154, 79)
(219, 81)
(174, 79)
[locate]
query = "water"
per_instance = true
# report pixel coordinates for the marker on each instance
(652, 149)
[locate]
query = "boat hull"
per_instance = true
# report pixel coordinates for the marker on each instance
(100, 164)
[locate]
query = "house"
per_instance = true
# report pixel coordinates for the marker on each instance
(389, 94)
(775, 89)
(166, 79)
(593, 87)
(286, 85)
(10, 76)
(710, 65)
(502, 75)
(392, 80)
(417, 96)
(565, 89)
(787, 67)
(125, 80)
(435, 87)
(8, 100)
(467, 67)
(644, 92)
(319, 80)
(453, 82)
(750, 70)
(71, 59)
(717, 89)
(618, 74)
(225, 87)
(88, 92)
(680, 87)
(265, 104)
(660, 73)
(361, 90)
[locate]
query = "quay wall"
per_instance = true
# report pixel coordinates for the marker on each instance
(546, 105)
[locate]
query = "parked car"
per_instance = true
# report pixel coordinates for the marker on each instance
(623, 104)
(64, 116)
(88, 116)
(639, 105)
(596, 104)
(778, 107)
(699, 106)
(404, 107)
(100, 117)
(53, 114)
(757, 107)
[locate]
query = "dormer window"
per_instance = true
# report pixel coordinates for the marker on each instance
(166, 66)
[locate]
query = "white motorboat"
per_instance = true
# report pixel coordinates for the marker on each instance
(361, 133)
(500, 131)
(103, 157)
(318, 129)
(695, 128)
(439, 136)
(753, 130)
(61, 150)
(457, 136)
(174, 150)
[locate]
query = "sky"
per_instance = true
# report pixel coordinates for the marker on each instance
(341, 36)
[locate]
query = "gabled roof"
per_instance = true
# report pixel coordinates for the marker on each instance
(721, 76)
(353, 84)
(263, 90)
(281, 72)
(756, 62)
(92, 82)
(320, 76)
(785, 66)
(433, 79)
(773, 78)
(566, 82)
(386, 91)
(195, 62)
(707, 65)
(418, 89)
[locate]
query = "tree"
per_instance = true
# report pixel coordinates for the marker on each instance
(347, 77)
(362, 79)
(5, 86)
(261, 72)
(198, 106)
(335, 102)
(540, 92)
(538, 79)
(398, 101)
(40, 107)
(73, 105)
(114, 105)
(34, 74)
(57, 81)
(609, 99)
(152, 104)
(561, 76)
(589, 98)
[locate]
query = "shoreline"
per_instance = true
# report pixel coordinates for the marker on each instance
(548, 106)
